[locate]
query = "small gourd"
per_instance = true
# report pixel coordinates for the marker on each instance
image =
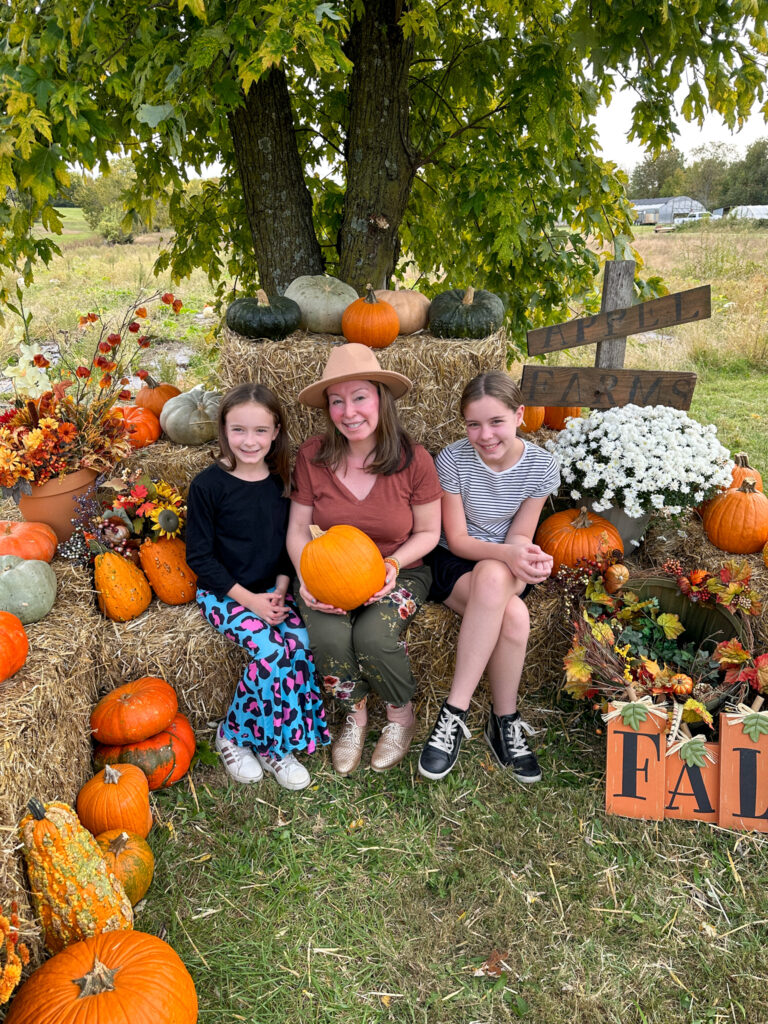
(164, 563)
(74, 897)
(742, 469)
(27, 540)
(191, 418)
(27, 588)
(465, 313)
(264, 317)
(142, 425)
(122, 589)
(614, 577)
(681, 685)
(154, 394)
(322, 301)
(533, 418)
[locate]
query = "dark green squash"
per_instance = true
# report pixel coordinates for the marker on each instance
(465, 314)
(262, 317)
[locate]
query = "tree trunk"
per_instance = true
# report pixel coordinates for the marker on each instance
(381, 164)
(277, 201)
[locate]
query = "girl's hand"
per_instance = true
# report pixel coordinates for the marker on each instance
(269, 607)
(528, 562)
(389, 584)
(318, 606)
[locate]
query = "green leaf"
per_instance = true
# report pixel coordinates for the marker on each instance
(755, 725)
(154, 115)
(634, 714)
(692, 753)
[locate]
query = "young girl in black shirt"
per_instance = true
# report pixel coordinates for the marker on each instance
(237, 516)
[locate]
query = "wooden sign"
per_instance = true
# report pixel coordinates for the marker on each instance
(692, 790)
(743, 775)
(680, 308)
(600, 388)
(635, 769)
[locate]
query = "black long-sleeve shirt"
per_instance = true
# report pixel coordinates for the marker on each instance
(236, 531)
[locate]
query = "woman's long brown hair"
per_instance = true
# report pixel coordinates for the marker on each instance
(394, 447)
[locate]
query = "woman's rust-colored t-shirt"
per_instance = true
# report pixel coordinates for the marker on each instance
(385, 513)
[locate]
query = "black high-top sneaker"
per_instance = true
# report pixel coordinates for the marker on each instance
(504, 734)
(440, 751)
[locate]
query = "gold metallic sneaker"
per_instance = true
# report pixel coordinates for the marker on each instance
(348, 748)
(394, 743)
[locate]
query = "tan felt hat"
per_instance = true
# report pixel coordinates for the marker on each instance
(352, 362)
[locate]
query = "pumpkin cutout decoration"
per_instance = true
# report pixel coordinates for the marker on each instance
(27, 588)
(322, 301)
(191, 418)
(27, 540)
(14, 645)
(164, 562)
(533, 418)
(153, 395)
(369, 322)
(134, 711)
(736, 520)
(73, 895)
(263, 317)
(130, 859)
(122, 589)
(412, 308)
(555, 417)
(465, 313)
(128, 977)
(164, 758)
(742, 469)
(681, 685)
(116, 797)
(575, 534)
(342, 566)
(142, 425)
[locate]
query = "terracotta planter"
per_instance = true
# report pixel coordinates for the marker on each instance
(53, 502)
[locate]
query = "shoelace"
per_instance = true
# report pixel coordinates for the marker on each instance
(514, 738)
(444, 735)
(348, 735)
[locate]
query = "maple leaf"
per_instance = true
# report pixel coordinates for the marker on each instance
(730, 652)
(698, 576)
(651, 667)
(735, 571)
(494, 966)
(761, 673)
(603, 633)
(578, 672)
(671, 625)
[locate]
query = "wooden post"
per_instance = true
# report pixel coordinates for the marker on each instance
(618, 286)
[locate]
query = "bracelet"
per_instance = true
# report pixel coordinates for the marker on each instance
(394, 563)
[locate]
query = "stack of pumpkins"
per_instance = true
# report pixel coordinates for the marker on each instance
(325, 305)
(554, 417)
(27, 587)
(736, 520)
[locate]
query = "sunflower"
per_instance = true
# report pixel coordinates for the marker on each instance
(166, 521)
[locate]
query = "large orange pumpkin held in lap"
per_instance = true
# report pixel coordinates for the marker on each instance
(342, 566)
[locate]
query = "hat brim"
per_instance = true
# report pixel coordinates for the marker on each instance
(314, 394)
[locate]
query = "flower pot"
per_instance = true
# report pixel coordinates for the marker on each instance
(53, 501)
(630, 530)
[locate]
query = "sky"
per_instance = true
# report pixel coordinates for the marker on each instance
(613, 124)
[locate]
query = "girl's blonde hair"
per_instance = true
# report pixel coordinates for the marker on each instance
(495, 384)
(278, 459)
(394, 447)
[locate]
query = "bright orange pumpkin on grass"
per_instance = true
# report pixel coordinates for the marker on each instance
(164, 758)
(116, 797)
(574, 535)
(342, 566)
(27, 540)
(134, 711)
(369, 322)
(130, 859)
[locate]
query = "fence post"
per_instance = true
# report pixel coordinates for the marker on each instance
(618, 287)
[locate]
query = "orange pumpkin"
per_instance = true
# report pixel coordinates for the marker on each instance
(142, 424)
(742, 469)
(130, 859)
(555, 416)
(164, 758)
(116, 797)
(153, 395)
(574, 535)
(533, 418)
(369, 322)
(681, 685)
(165, 565)
(27, 540)
(614, 577)
(736, 520)
(14, 645)
(342, 566)
(115, 976)
(134, 711)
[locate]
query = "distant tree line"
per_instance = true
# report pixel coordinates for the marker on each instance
(713, 174)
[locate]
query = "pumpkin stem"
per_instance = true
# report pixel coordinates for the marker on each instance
(150, 382)
(582, 520)
(469, 296)
(119, 843)
(742, 459)
(748, 485)
(370, 295)
(262, 297)
(111, 775)
(36, 809)
(315, 531)
(99, 979)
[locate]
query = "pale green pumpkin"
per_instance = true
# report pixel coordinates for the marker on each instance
(27, 587)
(191, 418)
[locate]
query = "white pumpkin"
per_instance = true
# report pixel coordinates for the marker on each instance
(322, 301)
(412, 308)
(191, 418)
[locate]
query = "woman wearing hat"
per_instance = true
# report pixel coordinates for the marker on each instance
(365, 471)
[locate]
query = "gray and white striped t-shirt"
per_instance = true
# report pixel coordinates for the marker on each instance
(491, 499)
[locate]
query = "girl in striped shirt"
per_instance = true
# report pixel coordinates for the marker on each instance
(495, 485)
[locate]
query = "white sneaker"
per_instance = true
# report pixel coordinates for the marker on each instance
(239, 762)
(289, 773)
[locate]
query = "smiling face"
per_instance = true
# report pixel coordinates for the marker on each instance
(492, 431)
(250, 431)
(353, 407)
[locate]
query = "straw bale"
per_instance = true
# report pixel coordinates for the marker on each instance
(177, 464)
(438, 367)
(44, 730)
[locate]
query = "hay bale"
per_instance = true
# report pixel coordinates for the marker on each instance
(44, 729)
(177, 464)
(438, 367)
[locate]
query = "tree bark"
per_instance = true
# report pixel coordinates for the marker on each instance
(381, 164)
(277, 201)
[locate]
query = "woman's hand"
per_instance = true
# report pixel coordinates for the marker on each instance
(528, 562)
(318, 606)
(390, 582)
